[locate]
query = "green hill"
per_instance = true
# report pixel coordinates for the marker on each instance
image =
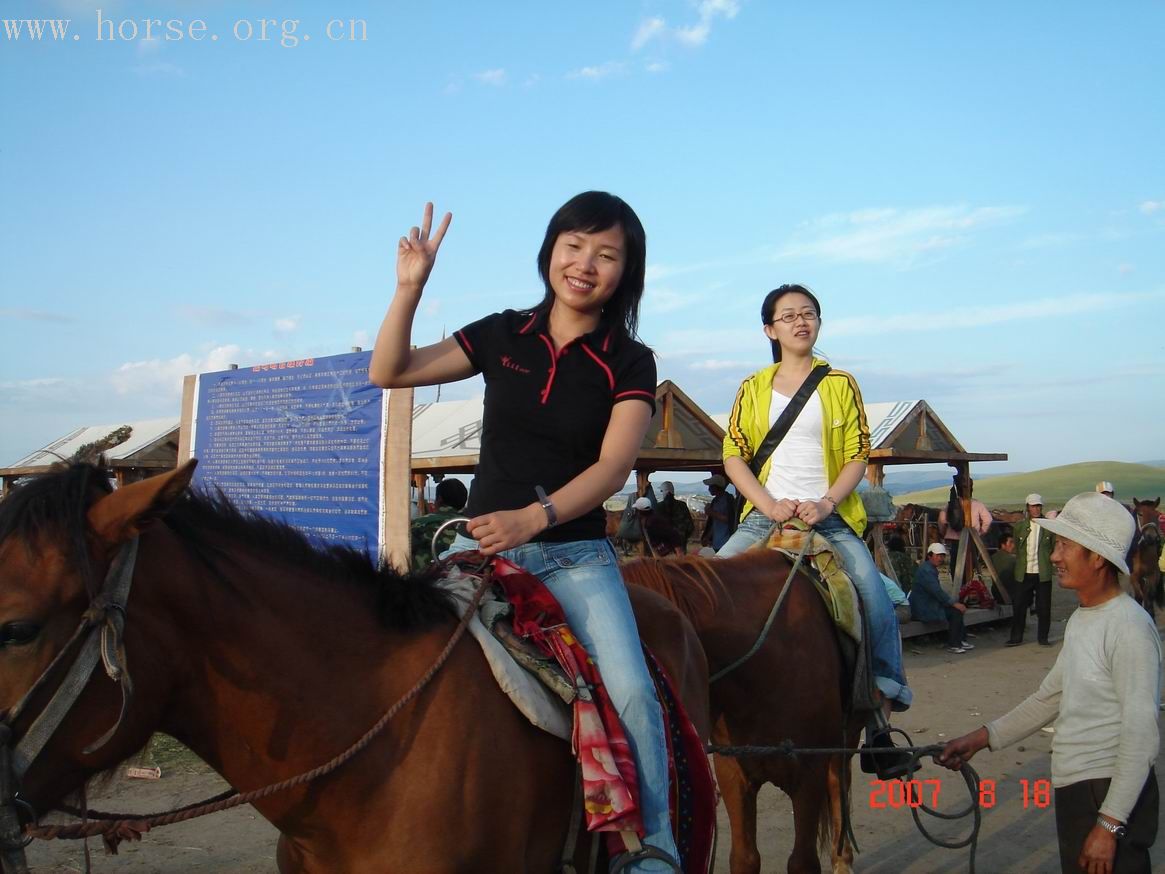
(1056, 485)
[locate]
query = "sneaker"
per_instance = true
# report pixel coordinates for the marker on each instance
(957, 650)
(966, 644)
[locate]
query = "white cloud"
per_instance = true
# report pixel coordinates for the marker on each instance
(1040, 309)
(287, 324)
(37, 315)
(709, 10)
(532, 80)
(1125, 269)
(721, 364)
(891, 235)
(594, 74)
(657, 67)
(659, 301)
(1149, 207)
(649, 29)
(361, 338)
(496, 78)
(164, 376)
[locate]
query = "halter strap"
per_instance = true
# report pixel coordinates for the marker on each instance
(101, 629)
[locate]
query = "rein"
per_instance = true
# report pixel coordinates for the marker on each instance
(114, 828)
(764, 632)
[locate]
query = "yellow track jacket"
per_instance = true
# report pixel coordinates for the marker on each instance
(845, 433)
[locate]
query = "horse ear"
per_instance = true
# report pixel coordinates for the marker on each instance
(1157, 503)
(128, 511)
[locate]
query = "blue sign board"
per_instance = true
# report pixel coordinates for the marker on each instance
(300, 440)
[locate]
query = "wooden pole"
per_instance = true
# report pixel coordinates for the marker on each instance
(186, 420)
(396, 467)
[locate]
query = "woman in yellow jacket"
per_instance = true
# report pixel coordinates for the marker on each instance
(812, 474)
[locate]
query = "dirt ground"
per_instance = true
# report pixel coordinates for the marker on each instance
(953, 694)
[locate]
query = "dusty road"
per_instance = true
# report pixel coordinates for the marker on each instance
(954, 693)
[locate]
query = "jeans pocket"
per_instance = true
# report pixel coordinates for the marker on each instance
(579, 554)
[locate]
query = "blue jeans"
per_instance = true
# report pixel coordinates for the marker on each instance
(584, 576)
(885, 643)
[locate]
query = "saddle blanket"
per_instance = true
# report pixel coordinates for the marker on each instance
(609, 782)
(832, 581)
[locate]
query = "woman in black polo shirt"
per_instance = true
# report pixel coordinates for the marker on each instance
(569, 394)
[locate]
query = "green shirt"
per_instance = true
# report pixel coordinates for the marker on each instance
(421, 533)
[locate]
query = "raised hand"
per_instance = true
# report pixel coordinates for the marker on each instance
(416, 253)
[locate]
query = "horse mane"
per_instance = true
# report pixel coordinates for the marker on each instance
(692, 583)
(51, 508)
(55, 506)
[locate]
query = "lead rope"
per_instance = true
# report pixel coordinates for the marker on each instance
(131, 827)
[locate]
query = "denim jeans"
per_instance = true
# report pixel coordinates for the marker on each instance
(885, 643)
(584, 576)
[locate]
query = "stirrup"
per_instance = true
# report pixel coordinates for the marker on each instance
(630, 857)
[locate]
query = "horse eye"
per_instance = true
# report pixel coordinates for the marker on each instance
(18, 633)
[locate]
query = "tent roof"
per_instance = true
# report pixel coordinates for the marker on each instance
(144, 448)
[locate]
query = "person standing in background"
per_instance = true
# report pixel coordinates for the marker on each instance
(1033, 573)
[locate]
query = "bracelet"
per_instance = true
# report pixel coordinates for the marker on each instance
(547, 505)
(827, 497)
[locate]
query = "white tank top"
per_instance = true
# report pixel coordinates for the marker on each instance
(798, 467)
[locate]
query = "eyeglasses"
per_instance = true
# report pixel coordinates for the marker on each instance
(788, 318)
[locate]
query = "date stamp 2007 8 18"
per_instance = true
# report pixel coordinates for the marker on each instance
(915, 793)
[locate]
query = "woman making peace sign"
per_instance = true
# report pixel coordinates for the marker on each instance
(569, 394)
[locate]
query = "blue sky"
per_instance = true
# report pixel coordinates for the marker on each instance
(975, 192)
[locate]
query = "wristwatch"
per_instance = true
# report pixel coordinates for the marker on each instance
(547, 505)
(1118, 830)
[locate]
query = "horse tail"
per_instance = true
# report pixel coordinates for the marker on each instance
(690, 583)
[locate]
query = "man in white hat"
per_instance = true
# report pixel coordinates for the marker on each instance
(1033, 572)
(929, 603)
(660, 537)
(1105, 488)
(1103, 694)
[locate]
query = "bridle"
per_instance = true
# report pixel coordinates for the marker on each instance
(98, 636)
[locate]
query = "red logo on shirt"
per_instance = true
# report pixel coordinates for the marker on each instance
(509, 363)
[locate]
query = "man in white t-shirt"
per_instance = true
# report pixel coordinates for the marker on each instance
(1103, 694)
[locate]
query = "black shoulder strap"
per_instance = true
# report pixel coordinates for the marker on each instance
(788, 416)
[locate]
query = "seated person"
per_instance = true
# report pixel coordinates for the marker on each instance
(448, 503)
(929, 603)
(898, 599)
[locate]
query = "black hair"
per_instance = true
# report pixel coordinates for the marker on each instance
(770, 306)
(590, 212)
(896, 544)
(452, 493)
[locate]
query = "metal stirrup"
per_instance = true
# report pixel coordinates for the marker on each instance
(456, 520)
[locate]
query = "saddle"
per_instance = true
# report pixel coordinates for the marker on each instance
(548, 675)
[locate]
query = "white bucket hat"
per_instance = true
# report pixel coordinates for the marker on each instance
(936, 549)
(642, 504)
(1105, 486)
(1097, 523)
(1034, 498)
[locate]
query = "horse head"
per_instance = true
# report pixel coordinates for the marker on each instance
(60, 536)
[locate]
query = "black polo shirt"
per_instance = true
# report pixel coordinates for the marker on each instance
(546, 413)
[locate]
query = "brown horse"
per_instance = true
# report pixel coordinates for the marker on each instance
(793, 688)
(1145, 556)
(918, 525)
(267, 656)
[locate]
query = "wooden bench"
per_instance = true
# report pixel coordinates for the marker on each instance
(974, 616)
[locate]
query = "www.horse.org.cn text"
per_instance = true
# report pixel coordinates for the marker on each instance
(284, 32)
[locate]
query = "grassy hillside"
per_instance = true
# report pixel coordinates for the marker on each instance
(1056, 485)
